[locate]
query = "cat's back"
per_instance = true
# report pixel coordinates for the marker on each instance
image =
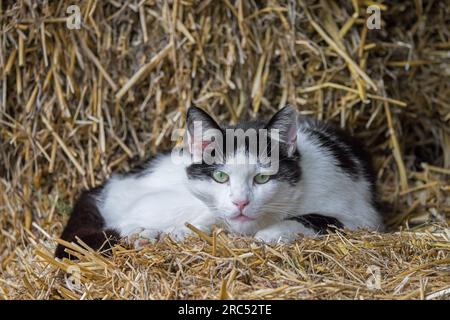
(158, 174)
(337, 147)
(337, 174)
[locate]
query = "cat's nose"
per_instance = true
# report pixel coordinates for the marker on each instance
(241, 204)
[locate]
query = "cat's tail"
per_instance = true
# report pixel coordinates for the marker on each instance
(87, 223)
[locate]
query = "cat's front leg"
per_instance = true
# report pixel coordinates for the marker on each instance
(283, 232)
(203, 223)
(140, 237)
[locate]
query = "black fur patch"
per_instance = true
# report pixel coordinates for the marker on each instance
(349, 153)
(201, 171)
(342, 155)
(289, 169)
(319, 223)
(332, 137)
(86, 223)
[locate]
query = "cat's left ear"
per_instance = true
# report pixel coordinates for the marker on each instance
(202, 130)
(285, 121)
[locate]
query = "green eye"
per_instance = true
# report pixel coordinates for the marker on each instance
(220, 176)
(262, 178)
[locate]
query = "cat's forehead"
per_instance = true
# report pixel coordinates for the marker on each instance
(241, 170)
(247, 139)
(244, 163)
(241, 157)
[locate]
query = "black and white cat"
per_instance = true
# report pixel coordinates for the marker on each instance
(322, 178)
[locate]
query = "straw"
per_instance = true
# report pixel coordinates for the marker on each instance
(79, 104)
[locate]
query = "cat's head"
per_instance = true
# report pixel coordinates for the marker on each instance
(245, 174)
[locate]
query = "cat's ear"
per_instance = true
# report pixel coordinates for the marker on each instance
(201, 129)
(285, 122)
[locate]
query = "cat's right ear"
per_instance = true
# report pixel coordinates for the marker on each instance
(285, 122)
(201, 129)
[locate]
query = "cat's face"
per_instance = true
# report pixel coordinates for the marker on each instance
(248, 188)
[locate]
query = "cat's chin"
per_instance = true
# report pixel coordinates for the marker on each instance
(243, 226)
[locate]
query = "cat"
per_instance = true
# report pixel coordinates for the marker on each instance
(302, 177)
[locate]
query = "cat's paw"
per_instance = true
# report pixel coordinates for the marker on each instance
(272, 236)
(203, 228)
(181, 233)
(142, 237)
(283, 232)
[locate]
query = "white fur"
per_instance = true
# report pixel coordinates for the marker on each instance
(164, 199)
(159, 200)
(328, 190)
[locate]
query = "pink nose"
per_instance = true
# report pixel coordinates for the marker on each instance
(241, 204)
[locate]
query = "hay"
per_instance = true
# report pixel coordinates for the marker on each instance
(76, 105)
